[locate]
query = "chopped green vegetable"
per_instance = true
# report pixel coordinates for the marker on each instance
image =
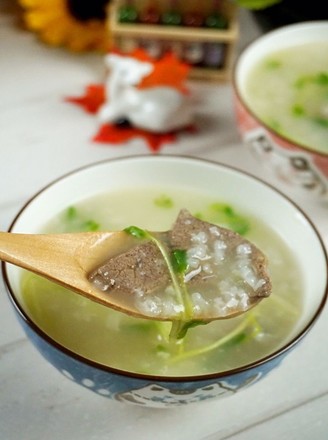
(312, 97)
(323, 122)
(322, 78)
(179, 260)
(90, 225)
(319, 79)
(75, 221)
(136, 232)
(302, 81)
(298, 110)
(273, 64)
(164, 201)
(224, 215)
(71, 213)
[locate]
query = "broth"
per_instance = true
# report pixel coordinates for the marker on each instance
(288, 90)
(141, 345)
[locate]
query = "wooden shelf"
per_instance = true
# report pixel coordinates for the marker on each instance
(121, 32)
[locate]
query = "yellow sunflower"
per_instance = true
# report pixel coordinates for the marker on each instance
(76, 24)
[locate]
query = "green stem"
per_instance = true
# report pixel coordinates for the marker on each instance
(198, 351)
(176, 329)
(177, 280)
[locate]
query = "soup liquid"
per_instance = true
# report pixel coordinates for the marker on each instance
(288, 90)
(141, 345)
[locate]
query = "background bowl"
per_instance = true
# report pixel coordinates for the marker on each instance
(225, 183)
(291, 162)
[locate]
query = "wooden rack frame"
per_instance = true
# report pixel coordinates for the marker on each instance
(120, 32)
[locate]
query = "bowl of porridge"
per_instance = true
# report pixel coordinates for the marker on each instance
(136, 360)
(280, 86)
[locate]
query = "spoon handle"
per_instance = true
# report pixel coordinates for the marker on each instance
(43, 254)
(59, 257)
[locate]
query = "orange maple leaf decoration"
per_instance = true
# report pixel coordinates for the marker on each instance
(93, 98)
(116, 135)
(168, 71)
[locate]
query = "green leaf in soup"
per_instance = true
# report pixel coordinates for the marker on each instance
(164, 201)
(71, 213)
(136, 232)
(298, 110)
(319, 79)
(323, 122)
(301, 82)
(322, 78)
(75, 221)
(91, 225)
(225, 215)
(179, 260)
(272, 64)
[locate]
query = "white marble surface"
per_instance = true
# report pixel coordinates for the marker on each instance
(41, 138)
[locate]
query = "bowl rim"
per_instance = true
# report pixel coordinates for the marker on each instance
(238, 94)
(278, 353)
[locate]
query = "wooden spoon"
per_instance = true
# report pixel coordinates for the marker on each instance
(66, 259)
(69, 258)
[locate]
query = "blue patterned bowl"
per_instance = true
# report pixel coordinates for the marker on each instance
(244, 190)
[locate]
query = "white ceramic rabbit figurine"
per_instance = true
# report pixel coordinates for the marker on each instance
(155, 109)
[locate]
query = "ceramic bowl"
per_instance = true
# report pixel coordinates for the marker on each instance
(226, 183)
(293, 162)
